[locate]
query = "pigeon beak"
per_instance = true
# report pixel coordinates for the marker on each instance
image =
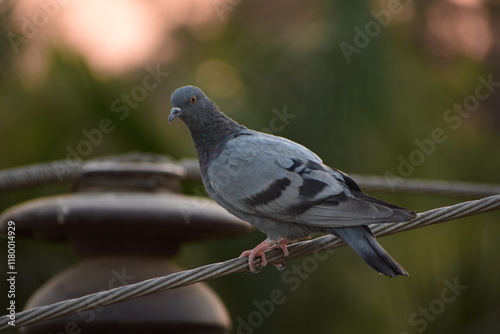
(173, 114)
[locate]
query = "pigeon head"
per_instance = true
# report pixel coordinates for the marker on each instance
(209, 127)
(187, 103)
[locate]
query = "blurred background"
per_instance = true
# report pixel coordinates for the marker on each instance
(361, 83)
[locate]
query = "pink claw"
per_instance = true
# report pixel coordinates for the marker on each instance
(261, 249)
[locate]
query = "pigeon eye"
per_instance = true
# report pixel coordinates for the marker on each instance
(193, 99)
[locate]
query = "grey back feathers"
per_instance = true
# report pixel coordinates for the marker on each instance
(281, 187)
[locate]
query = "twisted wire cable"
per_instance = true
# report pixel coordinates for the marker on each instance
(62, 171)
(437, 187)
(239, 265)
(65, 171)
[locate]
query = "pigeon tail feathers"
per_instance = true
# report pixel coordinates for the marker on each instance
(362, 240)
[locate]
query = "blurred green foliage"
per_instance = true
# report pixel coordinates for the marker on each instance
(268, 58)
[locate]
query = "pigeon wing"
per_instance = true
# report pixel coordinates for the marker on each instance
(276, 178)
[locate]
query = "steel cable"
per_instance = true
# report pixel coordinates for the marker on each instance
(239, 265)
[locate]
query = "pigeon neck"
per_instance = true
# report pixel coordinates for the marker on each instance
(211, 133)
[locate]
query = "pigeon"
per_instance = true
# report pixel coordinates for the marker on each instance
(280, 187)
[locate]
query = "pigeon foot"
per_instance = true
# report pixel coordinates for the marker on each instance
(260, 251)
